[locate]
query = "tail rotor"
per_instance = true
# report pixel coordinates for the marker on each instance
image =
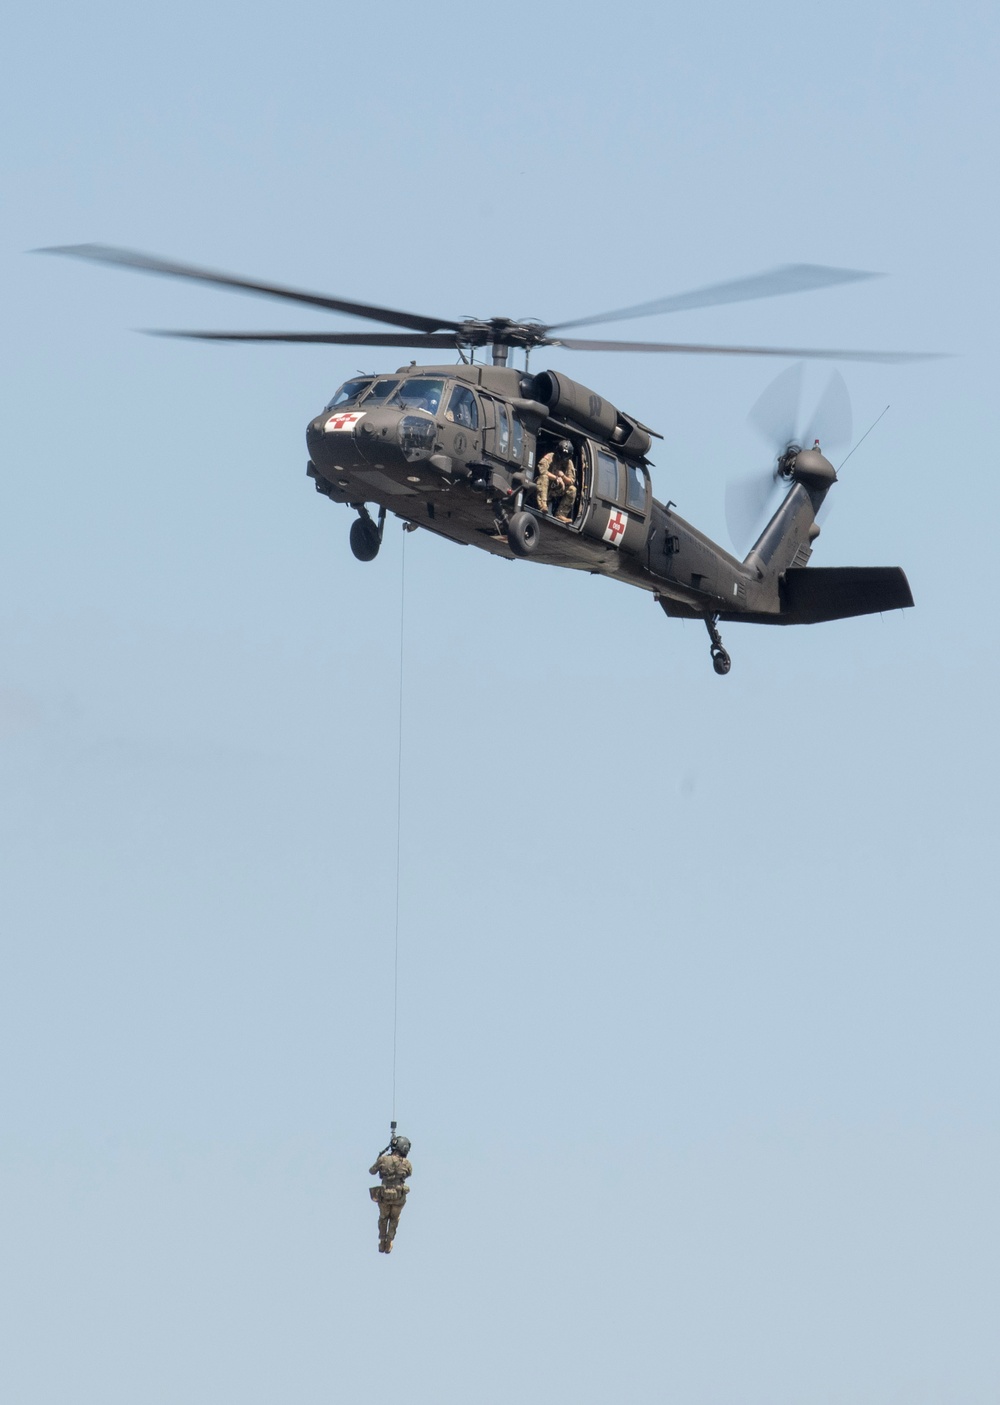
(751, 500)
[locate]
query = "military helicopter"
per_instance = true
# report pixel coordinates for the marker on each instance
(456, 449)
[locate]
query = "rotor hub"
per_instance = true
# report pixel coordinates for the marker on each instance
(501, 331)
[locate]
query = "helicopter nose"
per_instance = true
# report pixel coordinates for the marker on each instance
(332, 438)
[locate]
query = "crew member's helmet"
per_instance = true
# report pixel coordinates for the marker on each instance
(401, 1146)
(565, 447)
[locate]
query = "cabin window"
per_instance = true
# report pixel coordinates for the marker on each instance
(636, 498)
(462, 408)
(503, 430)
(607, 476)
(349, 391)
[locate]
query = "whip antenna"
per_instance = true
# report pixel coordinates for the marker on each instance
(865, 435)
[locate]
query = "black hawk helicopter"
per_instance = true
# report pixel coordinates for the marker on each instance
(462, 450)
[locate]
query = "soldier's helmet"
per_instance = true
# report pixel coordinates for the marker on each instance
(401, 1146)
(565, 447)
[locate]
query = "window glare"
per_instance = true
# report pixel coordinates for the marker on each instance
(636, 488)
(349, 391)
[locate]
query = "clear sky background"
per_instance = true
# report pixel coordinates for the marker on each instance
(698, 976)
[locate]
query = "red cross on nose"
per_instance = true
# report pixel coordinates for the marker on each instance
(340, 421)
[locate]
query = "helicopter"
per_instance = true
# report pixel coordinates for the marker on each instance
(461, 449)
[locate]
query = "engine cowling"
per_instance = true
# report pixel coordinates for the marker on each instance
(572, 401)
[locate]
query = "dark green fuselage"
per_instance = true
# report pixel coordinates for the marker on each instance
(458, 456)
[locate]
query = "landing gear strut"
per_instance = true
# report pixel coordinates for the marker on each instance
(366, 535)
(721, 661)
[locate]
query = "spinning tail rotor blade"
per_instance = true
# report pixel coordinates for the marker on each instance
(775, 416)
(832, 421)
(750, 502)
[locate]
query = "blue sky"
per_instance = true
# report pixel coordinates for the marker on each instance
(698, 1042)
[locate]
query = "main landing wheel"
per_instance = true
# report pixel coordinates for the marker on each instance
(522, 533)
(721, 661)
(365, 539)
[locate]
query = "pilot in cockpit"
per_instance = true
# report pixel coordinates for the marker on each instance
(462, 408)
(419, 393)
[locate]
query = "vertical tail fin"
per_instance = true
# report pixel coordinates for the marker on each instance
(787, 539)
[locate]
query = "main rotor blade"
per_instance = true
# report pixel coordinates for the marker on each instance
(146, 263)
(790, 278)
(417, 339)
(790, 352)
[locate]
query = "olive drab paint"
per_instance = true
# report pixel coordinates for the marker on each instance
(455, 449)
(618, 528)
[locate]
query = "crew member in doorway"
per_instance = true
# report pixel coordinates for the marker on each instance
(392, 1169)
(556, 476)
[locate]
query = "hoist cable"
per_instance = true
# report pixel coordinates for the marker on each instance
(399, 817)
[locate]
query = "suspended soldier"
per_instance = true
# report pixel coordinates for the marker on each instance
(392, 1169)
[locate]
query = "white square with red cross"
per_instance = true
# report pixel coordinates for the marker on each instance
(615, 529)
(342, 422)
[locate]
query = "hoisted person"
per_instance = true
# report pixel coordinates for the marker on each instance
(393, 1169)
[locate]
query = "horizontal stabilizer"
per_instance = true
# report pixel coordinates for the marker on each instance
(838, 592)
(812, 594)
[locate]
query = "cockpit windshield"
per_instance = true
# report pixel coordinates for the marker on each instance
(383, 388)
(350, 391)
(420, 393)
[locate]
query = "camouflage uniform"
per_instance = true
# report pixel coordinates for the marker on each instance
(561, 470)
(390, 1196)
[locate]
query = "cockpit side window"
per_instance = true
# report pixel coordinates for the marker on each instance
(503, 430)
(462, 408)
(517, 438)
(350, 391)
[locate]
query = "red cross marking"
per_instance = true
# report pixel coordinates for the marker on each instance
(616, 527)
(342, 421)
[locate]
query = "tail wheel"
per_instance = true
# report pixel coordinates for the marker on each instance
(522, 533)
(721, 661)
